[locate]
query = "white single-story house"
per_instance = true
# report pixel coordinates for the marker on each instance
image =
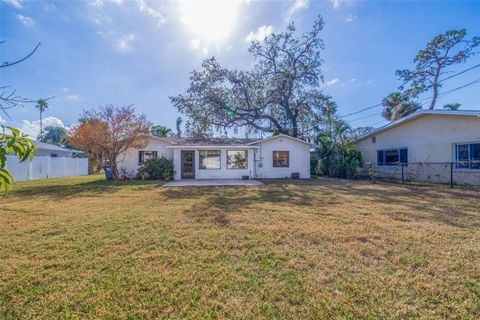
(225, 158)
(440, 138)
(54, 151)
(49, 161)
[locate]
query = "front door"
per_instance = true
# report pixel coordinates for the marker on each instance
(188, 164)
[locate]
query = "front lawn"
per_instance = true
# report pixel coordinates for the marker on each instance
(86, 249)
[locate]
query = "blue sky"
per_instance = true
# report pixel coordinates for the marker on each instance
(140, 52)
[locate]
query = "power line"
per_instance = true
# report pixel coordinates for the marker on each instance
(476, 81)
(440, 81)
(459, 73)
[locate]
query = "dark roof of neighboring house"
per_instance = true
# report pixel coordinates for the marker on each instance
(420, 113)
(208, 141)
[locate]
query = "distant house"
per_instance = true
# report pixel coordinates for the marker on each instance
(51, 150)
(225, 158)
(434, 137)
(49, 161)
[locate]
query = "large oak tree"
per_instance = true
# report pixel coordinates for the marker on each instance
(279, 94)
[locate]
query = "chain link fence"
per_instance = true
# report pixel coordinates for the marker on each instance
(465, 173)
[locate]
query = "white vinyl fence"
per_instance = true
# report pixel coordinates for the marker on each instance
(42, 167)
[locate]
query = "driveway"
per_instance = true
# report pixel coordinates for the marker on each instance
(212, 182)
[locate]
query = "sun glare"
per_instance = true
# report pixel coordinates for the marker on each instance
(210, 21)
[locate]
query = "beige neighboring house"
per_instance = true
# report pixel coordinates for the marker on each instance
(225, 158)
(434, 138)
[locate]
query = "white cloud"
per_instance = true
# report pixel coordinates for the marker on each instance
(145, 8)
(33, 128)
(2, 121)
(14, 3)
(332, 82)
(26, 21)
(337, 3)
(350, 18)
(197, 45)
(297, 6)
(124, 43)
(72, 97)
(260, 35)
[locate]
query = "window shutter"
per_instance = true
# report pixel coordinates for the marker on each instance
(380, 157)
(404, 155)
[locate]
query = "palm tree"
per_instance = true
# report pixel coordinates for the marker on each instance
(396, 106)
(179, 130)
(54, 135)
(42, 105)
(452, 106)
(161, 131)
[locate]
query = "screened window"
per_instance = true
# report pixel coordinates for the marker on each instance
(209, 159)
(391, 157)
(467, 155)
(281, 159)
(146, 155)
(237, 159)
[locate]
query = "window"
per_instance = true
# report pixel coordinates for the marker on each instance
(146, 155)
(391, 157)
(281, 159)
(374, 139)
(54, 155)
(237, 159)
(209, 159)
(467, 155)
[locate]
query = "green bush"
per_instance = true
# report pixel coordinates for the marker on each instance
(153, 169)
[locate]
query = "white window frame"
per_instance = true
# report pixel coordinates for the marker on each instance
(469, 161)
(246, 157)
(219, 159)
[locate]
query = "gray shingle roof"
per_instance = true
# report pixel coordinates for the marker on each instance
(209, 141)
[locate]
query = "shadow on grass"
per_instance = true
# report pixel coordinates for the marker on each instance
(63, 189)
(420, 204)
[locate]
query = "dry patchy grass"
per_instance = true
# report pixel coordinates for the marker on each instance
(84, 248)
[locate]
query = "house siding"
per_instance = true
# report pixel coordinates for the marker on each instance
(429, 138)
(128, 161)
(260, 159)
(299, 158)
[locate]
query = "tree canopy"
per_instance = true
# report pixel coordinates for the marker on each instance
(442, 51)
(279, 94)
(397, 105)
(110, 131)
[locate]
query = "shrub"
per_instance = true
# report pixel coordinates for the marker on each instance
(159, 168)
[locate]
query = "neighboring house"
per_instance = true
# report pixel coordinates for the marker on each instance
(225, 158)
(54, 151)
(436, 137)
(49, 161)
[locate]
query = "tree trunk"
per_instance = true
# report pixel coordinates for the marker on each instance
(435, 89)
(114, 170)
(41, 127)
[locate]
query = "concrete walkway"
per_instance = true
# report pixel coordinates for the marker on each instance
(213, 182)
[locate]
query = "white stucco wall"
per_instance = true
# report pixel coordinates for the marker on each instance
(129, 160)
(223, 172)
(299, 160)
(429, 138)
(261, 153)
